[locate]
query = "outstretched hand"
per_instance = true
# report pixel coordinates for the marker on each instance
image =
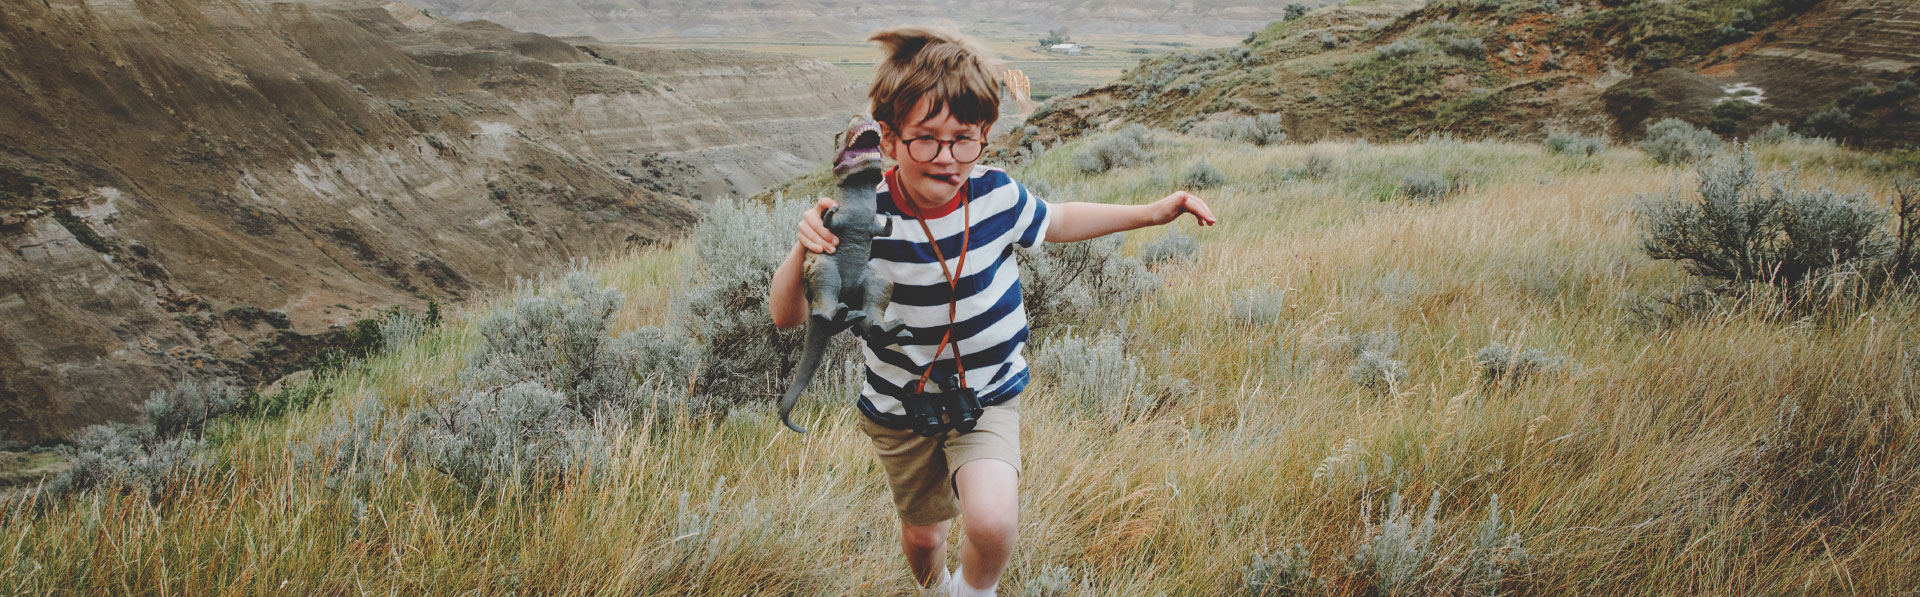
(1171, 207)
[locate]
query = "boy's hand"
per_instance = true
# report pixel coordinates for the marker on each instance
(813, 233)
(1172, 206)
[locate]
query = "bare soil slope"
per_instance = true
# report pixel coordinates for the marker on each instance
(1518, 68)
(176, 175)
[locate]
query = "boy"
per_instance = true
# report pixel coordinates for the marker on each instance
(936, 96)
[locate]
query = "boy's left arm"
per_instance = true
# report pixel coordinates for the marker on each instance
(1080, 221)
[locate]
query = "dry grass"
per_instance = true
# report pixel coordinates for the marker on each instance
(1660, 466)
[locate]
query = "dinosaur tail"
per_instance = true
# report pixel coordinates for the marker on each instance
(815, 348)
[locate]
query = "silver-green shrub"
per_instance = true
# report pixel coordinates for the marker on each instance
(518, 436)
(724, 312)
(1202, 175)
(1741, 225)
(400, 329)
(1259, 306)
(558, 339)
(1097, 377)
(1262, 130)
(1374, 365)
(1128, 146)
(1055, 581)
(1774, 134)
(1315, 166)
(354, 451)
(188, 406)
(1426, 186)
(1496, 549)
(1172, 247)
(1067, 283)
(1471, 48)
(1282, 572)
(1673, 141)
(1398, 49)
(1575, 144)
(1503, 364)
(152, 455)
(1397, 554)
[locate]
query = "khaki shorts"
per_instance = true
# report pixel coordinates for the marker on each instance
(920, 469)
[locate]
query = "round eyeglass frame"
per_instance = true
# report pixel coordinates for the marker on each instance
(915, 146)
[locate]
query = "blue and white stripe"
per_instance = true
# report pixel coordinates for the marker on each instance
(990, 322)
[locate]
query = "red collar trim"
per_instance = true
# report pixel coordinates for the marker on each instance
(907, 207)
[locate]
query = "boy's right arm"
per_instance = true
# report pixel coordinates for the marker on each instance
(787, 300)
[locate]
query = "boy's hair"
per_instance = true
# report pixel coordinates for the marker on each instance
(949, 69)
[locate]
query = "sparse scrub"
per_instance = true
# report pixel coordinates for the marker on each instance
(1295, 11)
(1471, 48)
(1259, 306)
(1329, 41)
(1097, 377)
(1202, 175)
(1262, 130)
(724, 311)
(1172, 247)
(1395, 555)
(557, 339)
(1065, 283)
(1503, 364)
(1399, 49)
(1575, 144)
(520, 436)
(1127, 147)
(150, 456)
(1283, 572)
(1673, 141)
(1774, 134)
(1743, 226)
(1055, 581)
(1374, 366)
(1316, 166)
(1430, 187)
(354, 452)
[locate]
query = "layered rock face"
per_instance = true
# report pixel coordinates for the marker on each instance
(176, 175)
(636, 18)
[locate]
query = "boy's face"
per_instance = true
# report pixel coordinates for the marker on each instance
(932, 182)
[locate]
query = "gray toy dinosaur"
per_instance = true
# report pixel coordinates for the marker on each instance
(841, 290)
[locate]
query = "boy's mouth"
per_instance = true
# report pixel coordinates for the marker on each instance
(952, 179)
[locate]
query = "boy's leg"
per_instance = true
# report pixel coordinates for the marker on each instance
(990, 503)
(986, 475)
(926, 549)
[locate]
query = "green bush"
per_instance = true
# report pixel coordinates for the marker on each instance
(1282, 572)
(1471, 48)
(723, 310)
(152, 456)
(1673, 141)
(1262, 130)
(1575, 144)
(1067, 283)
(1202, 175)
(1127, 147)
(1740, 225)
(1503, 364)
(1399, 49)
(1426, 186)
(1172, 247)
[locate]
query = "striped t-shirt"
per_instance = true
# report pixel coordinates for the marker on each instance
(990, 323)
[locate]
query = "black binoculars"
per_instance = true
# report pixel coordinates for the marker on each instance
(955, 407)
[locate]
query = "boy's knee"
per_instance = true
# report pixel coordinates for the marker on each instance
(993, 527)
(922, 539)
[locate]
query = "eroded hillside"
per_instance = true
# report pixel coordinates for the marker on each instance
(1521, 67)
(193, 189)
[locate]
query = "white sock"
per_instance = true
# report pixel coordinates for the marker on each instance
(962, 588)
(939, 584)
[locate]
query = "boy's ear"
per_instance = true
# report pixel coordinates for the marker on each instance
(887, 139)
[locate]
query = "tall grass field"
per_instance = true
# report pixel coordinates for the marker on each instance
(1426, 368)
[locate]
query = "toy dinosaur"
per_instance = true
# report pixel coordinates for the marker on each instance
(841, 290)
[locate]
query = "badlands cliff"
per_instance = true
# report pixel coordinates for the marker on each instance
(193, 188)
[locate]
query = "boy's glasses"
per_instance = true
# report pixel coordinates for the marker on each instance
(926, 149)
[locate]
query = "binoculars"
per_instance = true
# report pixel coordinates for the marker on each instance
(955, 407)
